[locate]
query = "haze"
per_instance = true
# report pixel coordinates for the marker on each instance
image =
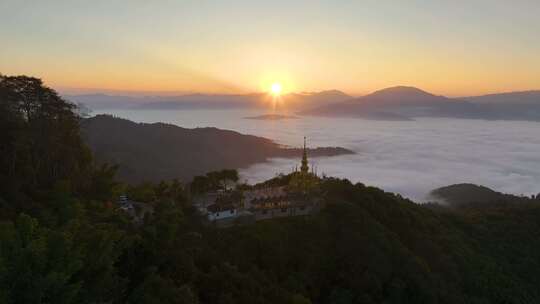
(448, 48)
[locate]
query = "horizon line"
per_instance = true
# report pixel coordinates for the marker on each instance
(177, 93)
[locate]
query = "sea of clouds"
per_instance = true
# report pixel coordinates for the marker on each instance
(408, 157)
(414, 157)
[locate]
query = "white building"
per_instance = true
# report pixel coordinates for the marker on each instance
(217, 212)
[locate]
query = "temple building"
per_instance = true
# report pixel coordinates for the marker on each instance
(289, 200)
(304, 168)
(266, 202)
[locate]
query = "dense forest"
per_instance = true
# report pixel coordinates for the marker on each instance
(62, 241)
(460, 195)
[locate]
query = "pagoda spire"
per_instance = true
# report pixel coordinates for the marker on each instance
(304, 169)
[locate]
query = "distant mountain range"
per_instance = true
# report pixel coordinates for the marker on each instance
(395, 103)
(406, 103)
(525, 97)
(515, 106)
(158, 151)
(293, 101)
(271, 117)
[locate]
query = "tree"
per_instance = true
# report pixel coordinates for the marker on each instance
(214, 180)
(144, 192)
(40, 141)
(101, 246)
(103, 185)
(299, 299)
(157, 290)
(41, 263)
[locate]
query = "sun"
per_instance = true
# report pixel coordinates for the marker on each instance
(276, 88)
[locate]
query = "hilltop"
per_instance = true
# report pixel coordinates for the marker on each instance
(397, 103)
(472, 195)
(407, 103)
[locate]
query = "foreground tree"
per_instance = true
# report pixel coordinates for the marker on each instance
(214, 180)
(40, 141)
(39, 264)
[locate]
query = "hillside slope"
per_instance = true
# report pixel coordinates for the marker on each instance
(64, 240)
(471, 194)
(153, 152)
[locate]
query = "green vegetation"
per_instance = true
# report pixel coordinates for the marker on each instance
(215, 180)
(63, 241)
(461, 195)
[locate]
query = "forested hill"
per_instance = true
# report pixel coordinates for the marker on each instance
(64, 240)
(474, 195)
(159, 151)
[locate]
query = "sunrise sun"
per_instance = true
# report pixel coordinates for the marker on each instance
(276, 88)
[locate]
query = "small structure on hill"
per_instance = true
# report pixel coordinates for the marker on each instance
(276, 202)
(220, 206)
(220, 211)
(264, 202)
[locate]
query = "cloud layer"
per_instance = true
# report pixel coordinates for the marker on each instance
(408, 157)
(412, 158)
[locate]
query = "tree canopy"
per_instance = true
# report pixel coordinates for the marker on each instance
(40, 140)
(63, 240)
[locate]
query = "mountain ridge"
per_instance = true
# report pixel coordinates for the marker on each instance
(407, 103)
(513, 96)
(202, 100)
(392, 103)
(160, 151)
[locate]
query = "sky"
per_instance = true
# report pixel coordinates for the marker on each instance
(448, 47)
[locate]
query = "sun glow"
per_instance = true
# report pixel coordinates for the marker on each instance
(276, 88)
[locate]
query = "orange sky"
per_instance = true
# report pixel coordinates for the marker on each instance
(243, 46)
